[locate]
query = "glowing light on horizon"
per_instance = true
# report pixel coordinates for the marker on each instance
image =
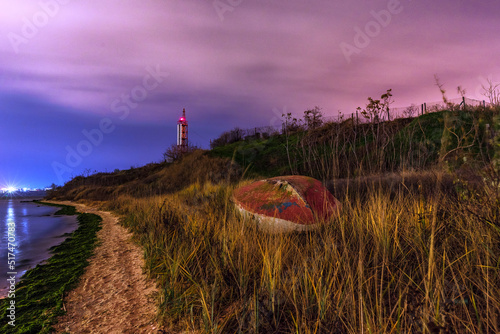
(13, 188)
(10, 188)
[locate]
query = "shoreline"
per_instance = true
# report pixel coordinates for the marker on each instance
(30, 195)
(41, 289)
(39, 229)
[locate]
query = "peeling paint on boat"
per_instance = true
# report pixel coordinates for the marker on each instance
(287, 203)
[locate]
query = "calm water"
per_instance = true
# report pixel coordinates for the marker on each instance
(37, 230)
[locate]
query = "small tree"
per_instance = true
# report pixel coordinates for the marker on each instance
(290, 124)
(313, 118)
(386, 103)
(174, 152)
(375, 108)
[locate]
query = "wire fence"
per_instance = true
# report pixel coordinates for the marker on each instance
(393, 113)
(410, 111)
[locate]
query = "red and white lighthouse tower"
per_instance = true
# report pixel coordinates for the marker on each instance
(182, 133)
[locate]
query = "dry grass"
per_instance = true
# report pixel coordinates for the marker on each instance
(390, 264)
(412, 252)
(150, 180)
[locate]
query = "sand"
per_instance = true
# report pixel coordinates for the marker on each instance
(114, 295)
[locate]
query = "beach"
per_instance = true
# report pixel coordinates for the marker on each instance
(37, 229)
(114, 295)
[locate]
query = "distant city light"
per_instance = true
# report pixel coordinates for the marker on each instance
(12, 188)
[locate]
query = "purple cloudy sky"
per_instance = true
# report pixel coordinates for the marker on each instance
(69, 66)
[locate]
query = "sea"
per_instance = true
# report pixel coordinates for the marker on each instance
(37, 229)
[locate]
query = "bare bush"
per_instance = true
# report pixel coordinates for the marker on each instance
(175, 152)
(492, 92)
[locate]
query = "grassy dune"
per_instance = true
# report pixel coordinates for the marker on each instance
(415, 249)
(400, 264)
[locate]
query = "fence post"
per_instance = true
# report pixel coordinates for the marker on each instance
(422, 112)
(463, 101)
(425, 107)
(484, 104)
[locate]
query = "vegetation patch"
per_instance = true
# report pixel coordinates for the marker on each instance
(39, 295)
(404, 263)
(415, 248)
(66, 210)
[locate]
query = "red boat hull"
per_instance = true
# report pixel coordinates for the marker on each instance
(287, 203)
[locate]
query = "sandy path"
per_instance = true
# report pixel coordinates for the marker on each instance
(112, 296)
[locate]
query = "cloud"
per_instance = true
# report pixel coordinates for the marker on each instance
(90, 53)
(262, 55)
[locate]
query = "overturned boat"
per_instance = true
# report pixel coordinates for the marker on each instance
(287, 203)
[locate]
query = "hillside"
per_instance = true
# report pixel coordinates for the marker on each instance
(347, 149)
(150, 180)
(456, 139)
(415, 248)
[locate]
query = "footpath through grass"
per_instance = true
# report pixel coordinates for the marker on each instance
(39, 295)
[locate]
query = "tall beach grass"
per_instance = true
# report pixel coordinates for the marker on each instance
(415, 249)
(387, 264)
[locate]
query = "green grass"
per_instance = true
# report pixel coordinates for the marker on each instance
(264, 157)
(331, 151)
(418, 144)
(347, 149)
(39, 295)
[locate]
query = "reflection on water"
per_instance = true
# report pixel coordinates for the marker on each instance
(36, 231)
(24, 222)
(9, 220)
(9, 237)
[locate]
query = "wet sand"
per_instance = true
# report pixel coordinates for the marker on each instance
(37, 230)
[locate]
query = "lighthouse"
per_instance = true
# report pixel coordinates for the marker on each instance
(182, 133)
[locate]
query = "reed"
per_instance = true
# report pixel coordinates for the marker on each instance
(398, 264)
